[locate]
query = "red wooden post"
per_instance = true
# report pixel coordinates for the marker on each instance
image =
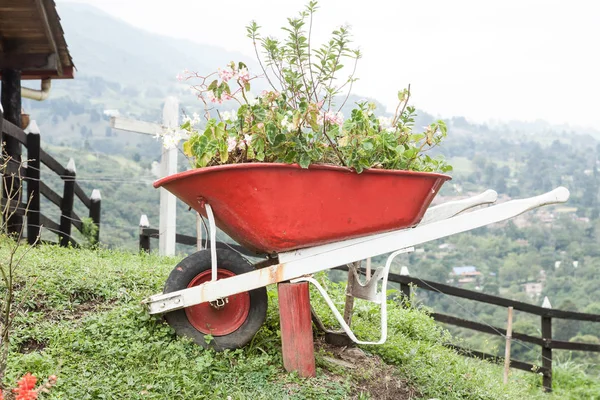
(296, 328)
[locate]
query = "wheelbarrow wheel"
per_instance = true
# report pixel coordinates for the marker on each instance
(232, 324)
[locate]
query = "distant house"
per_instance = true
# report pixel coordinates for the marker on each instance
(112, 113)
(522, 242)
(466, 274)
(533, 289)
(446, 246)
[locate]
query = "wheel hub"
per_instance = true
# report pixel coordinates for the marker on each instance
(222, 316)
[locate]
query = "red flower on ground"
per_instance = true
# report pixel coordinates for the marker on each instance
(27, 382)
(26, 388)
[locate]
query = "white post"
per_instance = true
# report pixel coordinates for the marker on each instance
(168, 202)
(546, 303)
(168, 166)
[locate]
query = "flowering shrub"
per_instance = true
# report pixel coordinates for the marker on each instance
(26, 389)
(298, 119)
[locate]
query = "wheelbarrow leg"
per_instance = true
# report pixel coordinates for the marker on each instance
(296, 328)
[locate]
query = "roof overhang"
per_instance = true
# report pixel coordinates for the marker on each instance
(32, 40)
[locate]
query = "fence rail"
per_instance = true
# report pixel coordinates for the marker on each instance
(36, 188)
(146, 233)
(546, 342)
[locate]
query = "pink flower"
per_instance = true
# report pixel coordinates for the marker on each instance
(225, 74)
(331, 117)
(212, 98)
(244, 74)
(179, 77)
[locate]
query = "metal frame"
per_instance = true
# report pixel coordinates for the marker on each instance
(439, 222)
(380, 298)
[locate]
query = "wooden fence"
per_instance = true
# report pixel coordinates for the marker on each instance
(547, 315)
(31, 174)
(146, 233)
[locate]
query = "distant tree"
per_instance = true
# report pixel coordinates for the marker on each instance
(565, 329)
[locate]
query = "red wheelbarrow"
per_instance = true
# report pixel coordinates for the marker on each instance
(305, 221)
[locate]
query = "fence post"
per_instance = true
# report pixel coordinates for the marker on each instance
(144, 238)
(507, 346)
(33, 182)
(10, 97)
(405, 287)
(95, 200)
(168, 202)
(547, 348)
(66, 207)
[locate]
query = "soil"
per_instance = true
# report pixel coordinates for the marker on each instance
(370, 374)
(31, 345)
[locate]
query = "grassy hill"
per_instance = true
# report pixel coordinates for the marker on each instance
(83, 322)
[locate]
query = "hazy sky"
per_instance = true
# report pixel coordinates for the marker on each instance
(483, 59)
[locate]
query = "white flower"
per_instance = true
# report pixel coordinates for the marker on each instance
(385, 122)
(169, 142)
(172, 137)
(252, 100)
(287, 124)
(245, 142)
(231, 144)
(229, 116)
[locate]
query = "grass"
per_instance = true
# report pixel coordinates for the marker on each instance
(84, 322)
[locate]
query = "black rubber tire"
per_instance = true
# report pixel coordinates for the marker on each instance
(197, 263)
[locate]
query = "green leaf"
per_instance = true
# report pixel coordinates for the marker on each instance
(304, 161)
(416, 137)
(367, 145)
(279, 139)
(224, 155)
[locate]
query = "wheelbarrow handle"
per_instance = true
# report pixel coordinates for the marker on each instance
(452, 208)
(558, 195)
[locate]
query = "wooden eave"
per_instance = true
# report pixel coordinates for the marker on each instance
(32, 40)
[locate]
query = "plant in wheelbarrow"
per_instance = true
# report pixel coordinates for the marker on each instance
(286, 169)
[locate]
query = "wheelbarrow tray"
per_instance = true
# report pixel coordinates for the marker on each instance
(273, 207)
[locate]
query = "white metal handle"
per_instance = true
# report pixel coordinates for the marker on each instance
(452, 208)
(559, 195)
